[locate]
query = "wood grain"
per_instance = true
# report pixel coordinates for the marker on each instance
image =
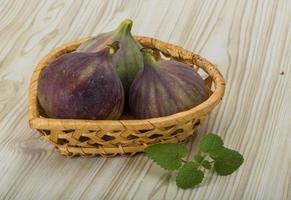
(250, 42)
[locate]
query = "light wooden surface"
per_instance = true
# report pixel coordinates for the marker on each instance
(249, 41)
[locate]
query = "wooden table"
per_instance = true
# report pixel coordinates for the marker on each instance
(249, 41)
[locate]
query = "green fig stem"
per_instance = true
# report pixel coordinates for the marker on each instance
(148, 55)
(113, 47)
(125, 26)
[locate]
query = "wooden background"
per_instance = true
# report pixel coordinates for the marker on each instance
(249, 41)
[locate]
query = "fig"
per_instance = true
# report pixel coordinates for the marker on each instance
(164, 87)
(80, 85)
(128, 60)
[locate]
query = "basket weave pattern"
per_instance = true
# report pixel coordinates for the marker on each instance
(125, 137)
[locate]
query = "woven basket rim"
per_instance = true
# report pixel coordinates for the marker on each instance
(39, 122)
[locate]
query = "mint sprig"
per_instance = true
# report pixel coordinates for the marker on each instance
(210, 142)
(168, 155)
(226, 161)
(211, 155)
(189, 175)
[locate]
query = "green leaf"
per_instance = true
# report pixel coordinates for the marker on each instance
(206, 164)
(211, 142)
(226, 161)
(189, 176)
(168, 155)
(198, 158)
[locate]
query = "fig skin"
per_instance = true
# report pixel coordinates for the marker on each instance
(128, 59)
(81, 86)
(165, 87)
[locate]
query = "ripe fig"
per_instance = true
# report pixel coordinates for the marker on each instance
(128, 60)
(164, 87)
(82, 85)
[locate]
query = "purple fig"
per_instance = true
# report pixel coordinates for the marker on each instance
(128, 60)
(164, 87)
(81, 85)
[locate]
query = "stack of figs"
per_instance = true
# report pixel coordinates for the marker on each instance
(111, 73)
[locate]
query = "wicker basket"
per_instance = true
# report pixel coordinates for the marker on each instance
(125, 136)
